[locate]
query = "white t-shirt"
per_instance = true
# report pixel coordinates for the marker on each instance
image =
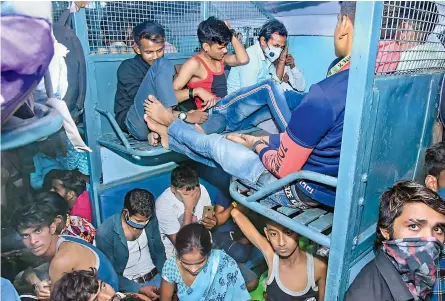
(139, 259)
(170, 214)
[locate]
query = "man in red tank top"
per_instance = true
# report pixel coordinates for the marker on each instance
(202, 76)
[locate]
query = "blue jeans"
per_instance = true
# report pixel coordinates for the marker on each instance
(252, 105)
(215, 150)
(235, 249)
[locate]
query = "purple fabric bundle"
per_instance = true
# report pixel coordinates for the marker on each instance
(26, 51)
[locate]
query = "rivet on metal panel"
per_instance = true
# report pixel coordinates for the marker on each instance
(364, 178)
(355, 241)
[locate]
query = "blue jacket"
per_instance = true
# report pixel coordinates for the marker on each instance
(111, 240)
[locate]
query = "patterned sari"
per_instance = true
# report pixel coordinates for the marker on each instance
(219, 280)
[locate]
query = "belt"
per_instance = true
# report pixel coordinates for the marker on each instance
(147, 277)
(294, 199)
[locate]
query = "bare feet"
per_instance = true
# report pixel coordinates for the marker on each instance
(158, 128)
(153, 139)
(157, 112)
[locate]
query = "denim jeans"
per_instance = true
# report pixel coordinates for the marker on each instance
(235, 249)
(247, 107)
(215, 150)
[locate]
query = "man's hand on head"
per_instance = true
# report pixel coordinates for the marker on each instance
(283, 55)
(191, 198)
(290, 61)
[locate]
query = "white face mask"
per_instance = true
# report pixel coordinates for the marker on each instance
(273, 53)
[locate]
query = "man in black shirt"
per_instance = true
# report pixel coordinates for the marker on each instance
(148, 73)
(410, 236)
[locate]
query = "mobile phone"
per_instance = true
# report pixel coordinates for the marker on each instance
(208, 211)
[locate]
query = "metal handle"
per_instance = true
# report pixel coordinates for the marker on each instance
(115, 127)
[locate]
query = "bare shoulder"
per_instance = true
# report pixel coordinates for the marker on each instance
(320, 267)
(192, 63)
(60, 264)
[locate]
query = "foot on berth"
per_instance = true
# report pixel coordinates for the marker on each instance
(158, 128)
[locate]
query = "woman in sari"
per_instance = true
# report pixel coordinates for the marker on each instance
(200, 273)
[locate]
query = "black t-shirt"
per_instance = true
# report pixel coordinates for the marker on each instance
(129, 78)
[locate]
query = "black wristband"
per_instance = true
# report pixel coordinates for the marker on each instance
(191, 93)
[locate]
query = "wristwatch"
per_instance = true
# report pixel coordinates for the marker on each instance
(182, 116)
(258, 142)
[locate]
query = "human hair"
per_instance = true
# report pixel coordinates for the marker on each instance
(41, 212)
(394, 199)
(435, 159)
(423, 17)
(271, 27)
(347, 8)
(139, 201)
(71, 180)
(52, 201)
(150, 30)
(184, 176)
(193, 237)
(214, 31)
(76, 286)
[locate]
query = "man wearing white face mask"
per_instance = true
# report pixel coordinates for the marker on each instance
(268, 59)
(269, 48)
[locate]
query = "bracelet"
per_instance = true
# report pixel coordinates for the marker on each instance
(191, 93)
(258, 142)
(190, 211)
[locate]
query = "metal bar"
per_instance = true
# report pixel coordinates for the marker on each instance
(350, 178)
(280, 218)
(115, 127)
(307, 175)
(205, 9)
